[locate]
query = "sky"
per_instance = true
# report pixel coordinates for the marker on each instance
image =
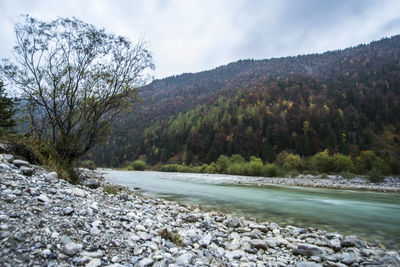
(195, 35)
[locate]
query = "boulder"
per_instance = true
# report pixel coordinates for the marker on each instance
(233, 223)
(26, 170)
(51, 177)
(91, 183)
(20, 163)
(351, 241)
(309, 250)
(71, 249)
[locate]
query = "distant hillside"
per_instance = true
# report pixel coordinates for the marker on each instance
(346, 101)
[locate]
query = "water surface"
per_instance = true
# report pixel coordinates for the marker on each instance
(372, 216)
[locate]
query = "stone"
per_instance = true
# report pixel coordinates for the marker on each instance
(93, 263)
(307, 264)
(348, 258)
(95, 231)
(235, 255)
(205, 241)
(68, 211)
(51, 177)
(28, 171)
(390, 260)
(43, 198)
(92, 183)
(351, 241)
(233, 223)
(92, 254)
(140, 227)
(8, 158)
(258, 244)
(272, 242)
(4, 166)
(72, 248)
(146, 262)
(308, 250)
(272, 226)
(184, 259)
(20, 163)
(76, 192)
(191, 218)
(335, 243)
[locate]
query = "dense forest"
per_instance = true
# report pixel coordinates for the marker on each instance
(345, 101)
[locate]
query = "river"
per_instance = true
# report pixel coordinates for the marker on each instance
(373, 216)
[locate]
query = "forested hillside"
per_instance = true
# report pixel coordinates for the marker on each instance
(346, 101)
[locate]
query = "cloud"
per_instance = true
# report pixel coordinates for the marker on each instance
(191, 36)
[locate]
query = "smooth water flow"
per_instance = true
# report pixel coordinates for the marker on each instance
(372, 216)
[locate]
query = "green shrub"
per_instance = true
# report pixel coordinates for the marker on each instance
(292, 162)
(364, 161)
(254, 166)
(138, 165)
(222, 164)
(238, 169)
(236, 158)
(203, 168)
(89, 164)
(212, 168)
(321, 162)
(394, 166)
(375, 176)
(342, 163)
(170, 168)
(270, 170)
(185, 168)
(380, 164)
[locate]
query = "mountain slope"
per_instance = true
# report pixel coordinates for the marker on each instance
(345, 100)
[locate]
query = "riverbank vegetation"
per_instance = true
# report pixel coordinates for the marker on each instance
(288, 164)
(73, 81)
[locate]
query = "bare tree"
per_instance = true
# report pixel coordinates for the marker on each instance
(75, 79)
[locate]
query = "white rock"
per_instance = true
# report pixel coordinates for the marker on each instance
(94, 206)
(27, 170)
(76, 192)
(93, 254)
(20, 163)
(140, 227)
(72, 248)
(51, 177)
(95, 231)
(205, 241)
(94, 263)
(4, 166)
(43, 198)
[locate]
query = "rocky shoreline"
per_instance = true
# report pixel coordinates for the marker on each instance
(390, 184)
(46, 221)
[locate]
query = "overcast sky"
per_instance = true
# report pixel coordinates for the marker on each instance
(191, 35)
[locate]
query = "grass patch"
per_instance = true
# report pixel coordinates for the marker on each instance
(111, 190)
(172, 236)
(375, 176)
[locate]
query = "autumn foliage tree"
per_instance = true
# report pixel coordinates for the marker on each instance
(76, 79)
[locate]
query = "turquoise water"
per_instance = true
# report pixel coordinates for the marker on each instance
(372, 216)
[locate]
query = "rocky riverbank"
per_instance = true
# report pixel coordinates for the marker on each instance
(390, 184)
(46, 221)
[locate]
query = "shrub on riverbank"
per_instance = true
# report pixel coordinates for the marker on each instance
(137, 165)
(289, 164)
